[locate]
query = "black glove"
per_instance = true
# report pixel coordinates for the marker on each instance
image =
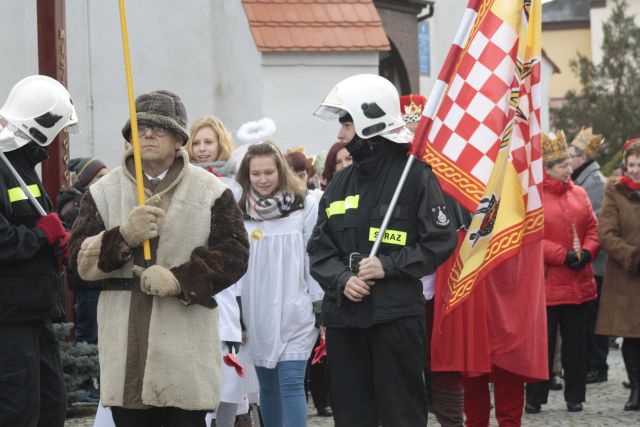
(585, 258)
(570, 258)
(242, 326)
(318, 320)
(317, 312)
(233, 345)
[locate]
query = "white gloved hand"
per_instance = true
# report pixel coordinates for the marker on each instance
(143, 223)
(157, 280)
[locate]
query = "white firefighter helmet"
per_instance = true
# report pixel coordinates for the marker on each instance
(373, 103)
(38, 107)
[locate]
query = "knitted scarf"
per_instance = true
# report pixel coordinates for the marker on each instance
(279, 205)
(220, 168)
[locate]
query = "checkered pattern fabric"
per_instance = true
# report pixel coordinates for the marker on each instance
(475, 110)
(525, 150)
(482, 122)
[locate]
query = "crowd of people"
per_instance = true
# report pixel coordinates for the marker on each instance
(259, 284)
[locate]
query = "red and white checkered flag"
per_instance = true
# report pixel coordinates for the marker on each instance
(480, 133)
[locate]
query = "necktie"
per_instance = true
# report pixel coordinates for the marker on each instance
(153, 183)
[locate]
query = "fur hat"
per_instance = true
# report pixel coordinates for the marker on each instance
(588, 143)
(554, 147)
(160, 108)
(411, 107)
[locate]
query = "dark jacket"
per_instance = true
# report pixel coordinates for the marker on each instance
(419, 237)
(30, 285)
(589, 177)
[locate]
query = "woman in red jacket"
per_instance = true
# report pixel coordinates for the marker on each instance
(570, 243)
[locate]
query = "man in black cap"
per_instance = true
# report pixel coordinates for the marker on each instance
(158, 337)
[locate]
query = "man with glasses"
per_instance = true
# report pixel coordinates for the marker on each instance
(586, 174)
(158, 336)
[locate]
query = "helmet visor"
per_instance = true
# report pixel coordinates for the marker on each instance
(11, 138)
(327, 112)
(74, 128)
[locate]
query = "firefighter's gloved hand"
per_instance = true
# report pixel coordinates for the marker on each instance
(52, 228)
(157, 280)
(371, 269)
(355, 289)
(143, 223)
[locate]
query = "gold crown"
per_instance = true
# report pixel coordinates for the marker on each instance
(554, 149)
(587, 142)
(594, 145)
(296, 149)
(300, 149)
(412, 108)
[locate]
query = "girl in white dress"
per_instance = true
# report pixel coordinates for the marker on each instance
(277, 290)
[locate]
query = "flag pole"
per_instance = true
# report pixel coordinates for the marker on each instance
(134, 120)
(433, 101)
(392, 205)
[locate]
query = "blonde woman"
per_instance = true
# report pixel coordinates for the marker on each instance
(277, 290)
(210, 146)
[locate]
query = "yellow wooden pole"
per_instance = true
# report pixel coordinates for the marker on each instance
(134, 119)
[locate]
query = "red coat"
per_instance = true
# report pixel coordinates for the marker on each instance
(566, 204)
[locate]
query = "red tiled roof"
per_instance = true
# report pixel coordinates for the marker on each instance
(315, 25)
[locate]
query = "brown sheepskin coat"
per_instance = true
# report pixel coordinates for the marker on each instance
(160, 351)
(619, 228)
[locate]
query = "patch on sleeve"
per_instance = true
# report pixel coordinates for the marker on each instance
(439, 216)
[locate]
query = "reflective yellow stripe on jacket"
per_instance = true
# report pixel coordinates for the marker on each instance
(16, 194)
(339, 207)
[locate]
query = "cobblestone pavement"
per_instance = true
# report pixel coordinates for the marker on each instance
(603, 407)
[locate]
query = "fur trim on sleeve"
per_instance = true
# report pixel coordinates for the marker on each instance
(89, 223)
(88, 258)
(224, 261)
(115, 251)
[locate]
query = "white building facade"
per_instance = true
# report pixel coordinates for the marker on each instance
(202, 50)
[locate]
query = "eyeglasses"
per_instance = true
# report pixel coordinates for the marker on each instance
(157, 130)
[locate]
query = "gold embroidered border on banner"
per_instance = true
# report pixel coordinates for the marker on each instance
(450, 172)
(501, 244)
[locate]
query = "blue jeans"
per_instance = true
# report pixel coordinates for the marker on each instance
(87, 315)
(282, 398)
